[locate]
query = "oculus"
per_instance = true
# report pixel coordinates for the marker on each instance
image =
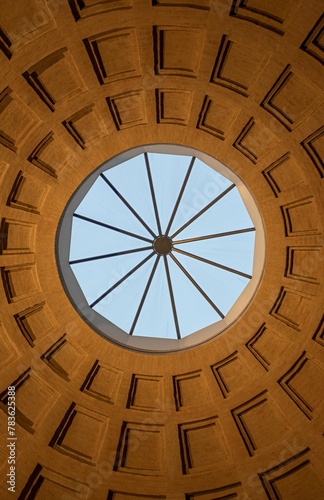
(161, 248)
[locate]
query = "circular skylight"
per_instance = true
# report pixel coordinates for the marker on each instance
(160, 243)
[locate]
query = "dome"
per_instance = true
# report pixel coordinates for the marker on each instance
(241, 414)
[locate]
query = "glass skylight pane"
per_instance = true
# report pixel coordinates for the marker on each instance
(156, 319)
(203, 186)
(89, 240)
(121, 305)
(136, 190)
(222, 287)
(96, 277)
(102, 204)
(228, 214)
(235, 251)
(168, 172)
(194, 312)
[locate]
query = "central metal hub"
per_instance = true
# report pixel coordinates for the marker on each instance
(162, 245)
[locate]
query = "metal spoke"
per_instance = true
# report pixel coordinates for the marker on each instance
(106, 256)
(144, 295)
(210, 236)
(176, 206)
(174, 310)
(122, 279)
(190, 278)
(206, 261)
(149, 175)
(203, 210)
(113, 228)
(120, 196)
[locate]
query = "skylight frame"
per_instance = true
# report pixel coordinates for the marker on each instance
(106, 328)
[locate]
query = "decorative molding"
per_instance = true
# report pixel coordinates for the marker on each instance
(229, 372)
(189, 390)
(283, 174)
(217, 373)
(226, 73)
(297, 473)
(300, 217)
(82, 9)
(5, 44)
(313, 145)
(17, 120)
(30, 386)
(51, 149)
(290, 99)
(202, 445)
(266, 346)
(146, 393)
(85, 126)
(114, 55)
(319, 333)
(120, 495)
(216, 117)
(259, 422)
(191, 4)
(303, 383)
(35, 322)
(254, 140)
(42, 480)
(291, 307)
(21, 419)
(20, 281)
(273, 16)
(27, 193)
(303, 263)
(24, 22)
(203, 120)
(17, 237)
(102, 382)
(251, 346)
(223, 493)
(8, 352)
(312, 44)
(141, 449)
(55, 79)
(63, 358)
(128, 109)
(171, 47)
(34, 156)
(70, 438)
(173, 106)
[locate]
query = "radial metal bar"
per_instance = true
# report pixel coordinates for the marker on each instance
(120, 196)
(149, 175)
(190, 278)
(176, 206)
(113, 228)
(122, 279)
(144, 295)
(174, 310)
(106, 256)
(206, 261)
(203, 210)
(210, 236)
